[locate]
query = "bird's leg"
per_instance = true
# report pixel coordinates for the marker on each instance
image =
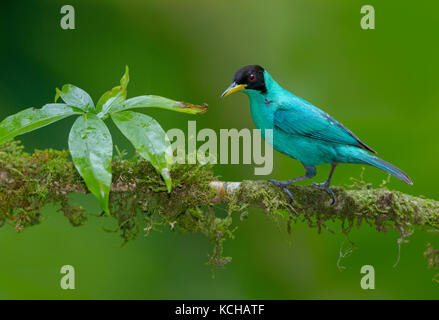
(310, 172)
(325, 185)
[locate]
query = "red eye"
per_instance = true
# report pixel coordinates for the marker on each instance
(251, 78)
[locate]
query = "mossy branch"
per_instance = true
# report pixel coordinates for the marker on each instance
(140, 203)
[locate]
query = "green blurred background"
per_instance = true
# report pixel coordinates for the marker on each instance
(380, 83)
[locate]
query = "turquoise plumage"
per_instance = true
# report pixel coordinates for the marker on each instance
(301, 130)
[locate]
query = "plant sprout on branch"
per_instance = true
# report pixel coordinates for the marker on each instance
(90, 142)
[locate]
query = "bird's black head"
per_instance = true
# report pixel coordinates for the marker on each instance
(249, 77)
(252, 77)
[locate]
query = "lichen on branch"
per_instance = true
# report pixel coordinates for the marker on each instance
(140, 203)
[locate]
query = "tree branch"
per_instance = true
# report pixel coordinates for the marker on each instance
(380, 206)
(139, 202)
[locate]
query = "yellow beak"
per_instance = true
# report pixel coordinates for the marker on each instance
(234, 87)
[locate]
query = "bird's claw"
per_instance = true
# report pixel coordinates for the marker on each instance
(283, 185)
(325, 187)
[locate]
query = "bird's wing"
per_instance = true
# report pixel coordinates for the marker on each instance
(316, 124)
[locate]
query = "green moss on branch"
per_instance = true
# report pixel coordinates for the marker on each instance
(140, 203)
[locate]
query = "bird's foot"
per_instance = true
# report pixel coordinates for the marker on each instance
(325, 186)
(283, 185)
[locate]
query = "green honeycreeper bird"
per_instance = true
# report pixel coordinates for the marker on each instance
(301, 130)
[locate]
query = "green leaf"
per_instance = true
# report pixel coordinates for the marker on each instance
(149, 139)
(32, 119)
(76, 97)
(57, 94)
(107, 95)
(159, 102)
(91, 148)
(114, 96)
(125, 78)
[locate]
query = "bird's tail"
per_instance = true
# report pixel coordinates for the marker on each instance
(367, 158)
